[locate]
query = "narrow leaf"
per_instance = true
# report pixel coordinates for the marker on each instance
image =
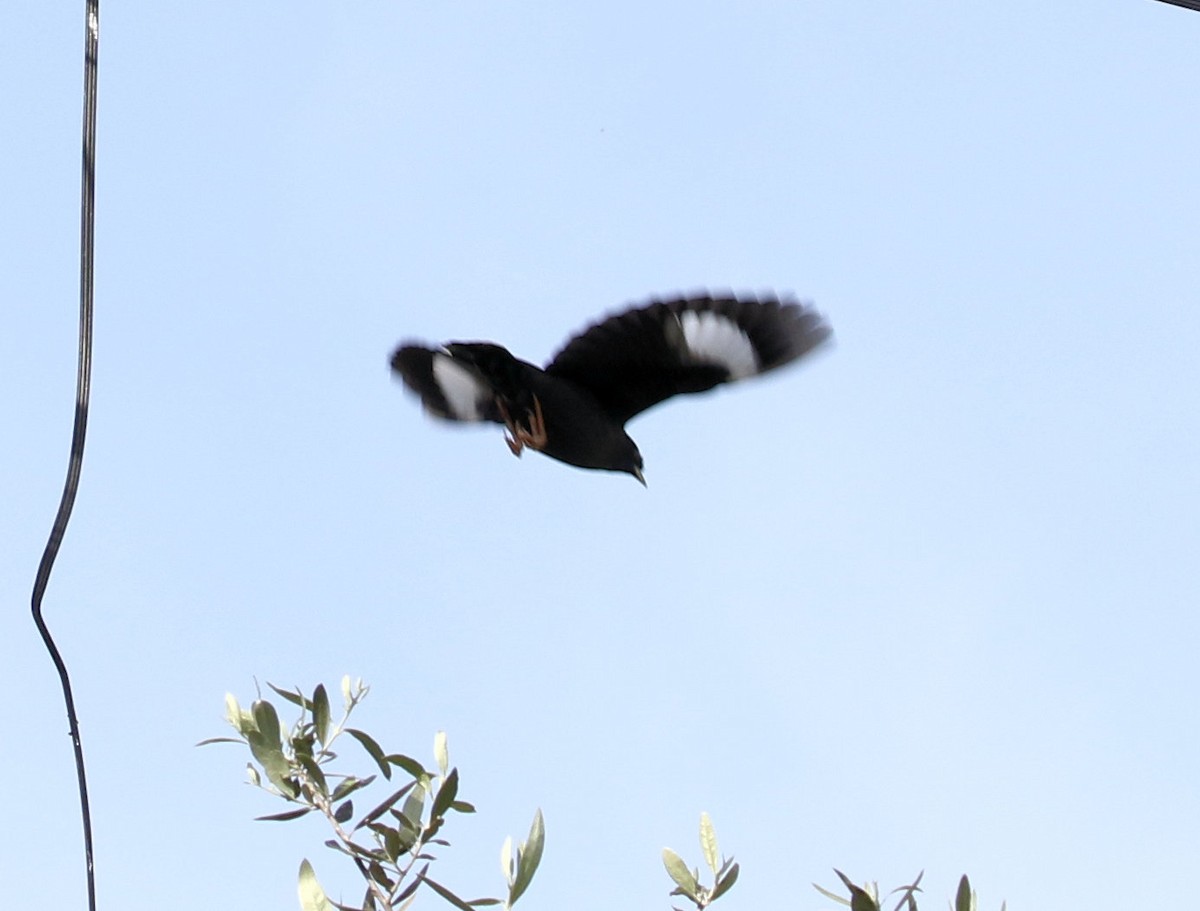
(529, 855)
(320, 710)
(448, 895)
(379, 875)
(348, 786)
(445, 795)
(506, 864)
(962, 901)
(860, 899)
(312, 896)
(372, 748)
(907, 900)
(432, 828)
(724, 884)
(679, 872)
(414, 809)
(233, 712)
(266, 719)
(708, 842)
(831, 895)
(385, 806)
(410, 765)
(412, 886)
(360, 851)
(204, 743)
(283, 817)
(408, 835)
(293, 698)
(274, 763)
(441, 751)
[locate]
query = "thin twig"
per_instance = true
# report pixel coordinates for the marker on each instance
(82, 396)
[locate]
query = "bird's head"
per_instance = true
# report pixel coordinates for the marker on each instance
(631, 463)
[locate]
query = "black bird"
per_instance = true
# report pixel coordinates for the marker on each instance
(575, 410)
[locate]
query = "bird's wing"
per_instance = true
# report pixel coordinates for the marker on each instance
(449, 381)
(638, 358)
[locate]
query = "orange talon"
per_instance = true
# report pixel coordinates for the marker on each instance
(512, 433)
(535, 437)
(518, 437)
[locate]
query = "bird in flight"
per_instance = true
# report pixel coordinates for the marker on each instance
(575, 409)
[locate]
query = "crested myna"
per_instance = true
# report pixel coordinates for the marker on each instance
(576, 408)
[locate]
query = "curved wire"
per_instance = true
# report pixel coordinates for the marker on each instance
(82, 396)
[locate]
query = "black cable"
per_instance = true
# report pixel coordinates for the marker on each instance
(82, 396)
(1186, 4)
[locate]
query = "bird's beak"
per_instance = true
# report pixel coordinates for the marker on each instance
(637, 473)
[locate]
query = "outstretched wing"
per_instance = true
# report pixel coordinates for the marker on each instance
(636, 359)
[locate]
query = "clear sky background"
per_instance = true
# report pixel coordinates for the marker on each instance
(928, 600)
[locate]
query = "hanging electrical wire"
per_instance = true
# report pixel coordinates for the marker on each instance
(82, 396)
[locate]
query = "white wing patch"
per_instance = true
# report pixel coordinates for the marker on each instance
(716, 339)
(461, 388)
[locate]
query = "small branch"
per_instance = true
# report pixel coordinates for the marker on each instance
(319, 800)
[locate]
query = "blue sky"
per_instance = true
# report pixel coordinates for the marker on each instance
(926, 601)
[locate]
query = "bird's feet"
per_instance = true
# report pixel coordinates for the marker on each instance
(518, 437)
